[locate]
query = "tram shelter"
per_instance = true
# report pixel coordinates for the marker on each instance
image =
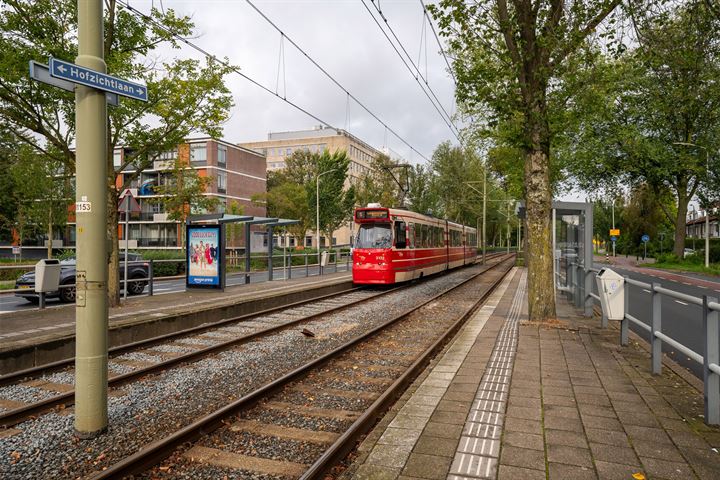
(218, 222)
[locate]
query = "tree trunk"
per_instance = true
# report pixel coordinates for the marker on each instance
(680, 222)
(113, 257)
(50, 233)
(538, 201)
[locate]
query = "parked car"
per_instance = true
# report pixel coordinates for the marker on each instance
(688, 252)
(138, 271)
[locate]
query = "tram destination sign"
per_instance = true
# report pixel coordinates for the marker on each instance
(101, 81)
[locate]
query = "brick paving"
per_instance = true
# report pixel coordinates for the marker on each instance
(579, 406)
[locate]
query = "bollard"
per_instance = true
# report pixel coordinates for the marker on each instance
(655, 342)
(151, 276)
(711, 325)
(624, 323)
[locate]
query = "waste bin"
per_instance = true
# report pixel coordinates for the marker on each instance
(47, 275)
(324, 258)
(611, 291)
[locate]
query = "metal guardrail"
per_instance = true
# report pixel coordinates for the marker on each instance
(710, 357)
(335, 259)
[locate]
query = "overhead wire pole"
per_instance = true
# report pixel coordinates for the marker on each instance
(91, 306)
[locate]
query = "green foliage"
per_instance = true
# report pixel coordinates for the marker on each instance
(184, 193)
(384, 183)
(185, 96)
(335, 201)
(657, 119)
(422, 196)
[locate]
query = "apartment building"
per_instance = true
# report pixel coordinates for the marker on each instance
(237, 174)
(280, 145)
(695, 224)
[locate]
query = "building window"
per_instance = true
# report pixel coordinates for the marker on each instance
(222, 182)
(198, 154)
(117, 159)
(288, 151)
(308, 241)
(222, 155)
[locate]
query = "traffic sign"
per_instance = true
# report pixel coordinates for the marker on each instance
(41, 73)
(613, 238)
(646, 238)
(614, 232)
(128, 202)
(92, 78)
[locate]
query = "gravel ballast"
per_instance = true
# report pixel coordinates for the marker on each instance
(160, 404)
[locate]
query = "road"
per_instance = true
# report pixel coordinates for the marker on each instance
(680, 320)
(9, 303)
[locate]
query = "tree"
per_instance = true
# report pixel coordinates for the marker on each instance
(233, 229)
(286, 195)
(184, 95)
(452, 166)
(42, 193)
(184, 192)
(384, 183)
(659, 124)
(507, 57)
(422, 195)
(336, 202)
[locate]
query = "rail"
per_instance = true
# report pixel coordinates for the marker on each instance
(709, 359)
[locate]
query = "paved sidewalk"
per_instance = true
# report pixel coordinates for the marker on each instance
(578, 406)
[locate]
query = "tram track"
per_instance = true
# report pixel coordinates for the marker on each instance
(368, 371)
(262, 341)
(58, 376)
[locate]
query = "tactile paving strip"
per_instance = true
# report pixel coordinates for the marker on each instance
(479, 448)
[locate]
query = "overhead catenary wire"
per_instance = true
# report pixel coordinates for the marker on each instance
(125, 4)
(225, 63)
(333, 79)
(417, 74)
(437, 38)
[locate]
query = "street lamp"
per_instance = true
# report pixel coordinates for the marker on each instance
(317, 207)
(707, 216)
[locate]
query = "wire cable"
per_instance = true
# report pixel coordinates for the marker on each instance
(417, 73)
(334, 80)
(225, 63)
(437, 38)
(147, 18)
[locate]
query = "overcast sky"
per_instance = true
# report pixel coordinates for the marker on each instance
(343, 38)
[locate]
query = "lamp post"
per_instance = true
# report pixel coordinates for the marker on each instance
(707, 216)
(317, 207)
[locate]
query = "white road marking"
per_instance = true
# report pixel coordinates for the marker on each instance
(681, 303)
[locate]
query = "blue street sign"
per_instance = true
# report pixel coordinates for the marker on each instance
(613, 238)
(92, 78)
(646, 238)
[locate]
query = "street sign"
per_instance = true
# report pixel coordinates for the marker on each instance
(41, 73)
(614, 232)
(101, 81)
(128, 203)
(646, 238)
(16, 250)
(613, 238)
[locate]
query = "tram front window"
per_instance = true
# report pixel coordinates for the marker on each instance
(376, 235)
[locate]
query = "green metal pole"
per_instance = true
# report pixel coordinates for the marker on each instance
(91, 310)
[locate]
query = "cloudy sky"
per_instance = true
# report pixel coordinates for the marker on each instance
(343, 38)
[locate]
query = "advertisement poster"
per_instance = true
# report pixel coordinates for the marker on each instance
(203, 256)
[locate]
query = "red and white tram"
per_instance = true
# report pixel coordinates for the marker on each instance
(394, 246)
